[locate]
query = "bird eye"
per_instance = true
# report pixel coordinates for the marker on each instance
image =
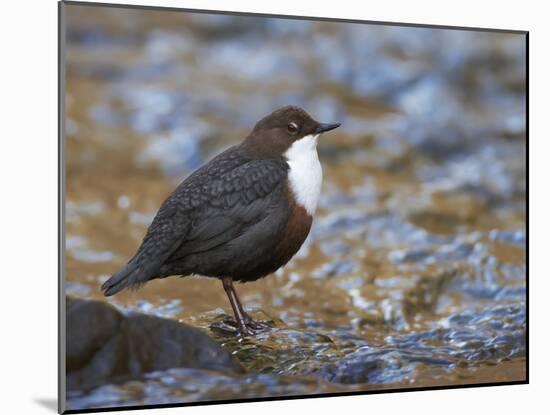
(292, 128)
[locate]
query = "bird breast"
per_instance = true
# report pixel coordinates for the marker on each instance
(305, 175)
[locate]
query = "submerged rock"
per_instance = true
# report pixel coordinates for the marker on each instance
(192, 385)
(106, 346)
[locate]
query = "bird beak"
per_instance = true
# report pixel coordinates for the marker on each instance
(324, 127)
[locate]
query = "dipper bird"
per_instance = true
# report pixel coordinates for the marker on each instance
(241, 216)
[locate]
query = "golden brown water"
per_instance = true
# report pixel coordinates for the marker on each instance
(415, 266)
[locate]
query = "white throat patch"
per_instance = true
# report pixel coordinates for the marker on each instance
(305, 175)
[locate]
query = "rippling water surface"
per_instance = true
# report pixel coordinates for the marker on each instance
(414, 273)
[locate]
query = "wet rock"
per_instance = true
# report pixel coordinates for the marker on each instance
(436, 222)
(340, 221)
(413, 255)
(514, 237)
(77, 288)
(100, 322)
(463, 340)
(381, 366)
(335, 247)
(106, 346)
(192, 385)
(335, 268)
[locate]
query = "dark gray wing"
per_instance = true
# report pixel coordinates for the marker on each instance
(236, 201)
(209, 208)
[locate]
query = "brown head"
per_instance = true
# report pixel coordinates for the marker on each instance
(274, 134)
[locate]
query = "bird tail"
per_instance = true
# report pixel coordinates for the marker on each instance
(130, 276)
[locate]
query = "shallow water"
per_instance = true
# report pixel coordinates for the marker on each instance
(414, 272)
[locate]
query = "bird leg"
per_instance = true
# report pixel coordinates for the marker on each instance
(244, 322)
(236, 306)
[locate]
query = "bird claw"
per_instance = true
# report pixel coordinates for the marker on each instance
(258, 325)
(250, 327)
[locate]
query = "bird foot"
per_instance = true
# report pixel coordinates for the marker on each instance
(249, 327)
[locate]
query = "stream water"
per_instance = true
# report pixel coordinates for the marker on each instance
(414, 273)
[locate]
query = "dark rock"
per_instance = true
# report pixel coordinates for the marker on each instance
(381, 365)
(106, 346)
(90, 324)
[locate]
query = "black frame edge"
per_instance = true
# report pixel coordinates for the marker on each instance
(291, 17)
(61, 303)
